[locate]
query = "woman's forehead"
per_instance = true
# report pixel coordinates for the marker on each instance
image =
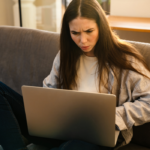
(82, 23)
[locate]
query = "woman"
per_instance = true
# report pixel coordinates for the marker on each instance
(91, 58)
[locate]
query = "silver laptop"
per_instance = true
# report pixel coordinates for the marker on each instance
(68, 114)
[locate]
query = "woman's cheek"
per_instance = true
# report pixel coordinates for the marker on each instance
(94, 38)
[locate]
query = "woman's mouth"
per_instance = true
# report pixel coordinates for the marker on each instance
(84, 47)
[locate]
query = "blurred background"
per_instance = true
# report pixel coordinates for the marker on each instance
(47, 14)
(37, 14)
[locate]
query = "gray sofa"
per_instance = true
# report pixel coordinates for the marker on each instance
(26, 57)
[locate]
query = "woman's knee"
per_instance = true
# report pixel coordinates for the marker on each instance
(2, 85)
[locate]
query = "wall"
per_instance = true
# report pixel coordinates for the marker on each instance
(131, 8)
(6, 12)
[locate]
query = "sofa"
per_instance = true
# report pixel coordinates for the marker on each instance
(26, 57)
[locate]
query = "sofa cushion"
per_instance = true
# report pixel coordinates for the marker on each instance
(141, 135)
(26, 56)
(144, 49)
(132, 146)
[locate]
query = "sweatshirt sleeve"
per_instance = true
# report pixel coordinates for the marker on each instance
(136, 107)
(51, 81)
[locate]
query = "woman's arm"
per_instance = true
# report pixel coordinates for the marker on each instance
(135, 99)
(51, 80)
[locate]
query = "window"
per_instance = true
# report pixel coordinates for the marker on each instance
(37, 14)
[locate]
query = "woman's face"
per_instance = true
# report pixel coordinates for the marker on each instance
(85, 33)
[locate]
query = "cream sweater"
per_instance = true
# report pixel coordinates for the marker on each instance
(86, 74)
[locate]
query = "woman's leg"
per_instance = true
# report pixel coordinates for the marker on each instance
(13, 122)
(81, 145)
(10, 104)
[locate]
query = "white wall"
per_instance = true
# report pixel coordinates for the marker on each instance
(132, 8)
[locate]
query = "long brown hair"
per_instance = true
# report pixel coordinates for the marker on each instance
(108, 50)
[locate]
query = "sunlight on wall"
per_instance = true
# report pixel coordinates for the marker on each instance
(130, 8)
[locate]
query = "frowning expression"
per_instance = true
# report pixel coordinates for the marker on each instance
(85, 33)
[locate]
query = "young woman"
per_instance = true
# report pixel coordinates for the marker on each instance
(91, 58)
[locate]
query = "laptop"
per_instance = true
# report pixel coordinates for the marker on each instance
(69, 114)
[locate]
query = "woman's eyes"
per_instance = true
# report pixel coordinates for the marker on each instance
(89, 31)
(76, 33)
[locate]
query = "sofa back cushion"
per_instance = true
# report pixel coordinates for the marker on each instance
(26, 56)
(144, 49)
(141, 135)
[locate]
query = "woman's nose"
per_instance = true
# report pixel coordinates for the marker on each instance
(83, 38)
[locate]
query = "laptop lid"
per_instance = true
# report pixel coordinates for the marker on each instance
(68, 114)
